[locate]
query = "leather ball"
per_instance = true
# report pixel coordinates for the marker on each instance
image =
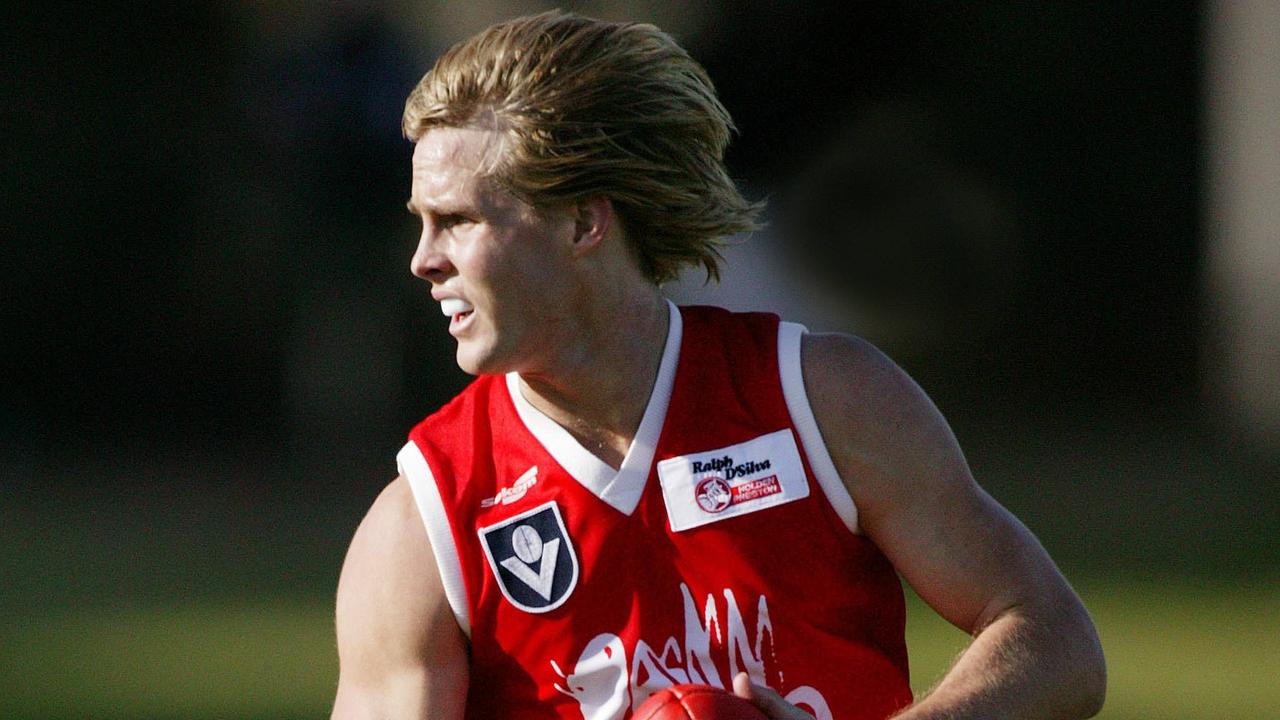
(696, 702)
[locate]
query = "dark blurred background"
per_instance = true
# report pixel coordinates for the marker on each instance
(1056, 216)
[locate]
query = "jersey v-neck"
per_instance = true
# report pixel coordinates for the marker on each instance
(623, 487)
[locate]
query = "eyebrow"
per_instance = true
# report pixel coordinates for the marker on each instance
(438, 210)
(417, 209)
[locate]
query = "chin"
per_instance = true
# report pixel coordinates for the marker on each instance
(474, 362)
(469, 366)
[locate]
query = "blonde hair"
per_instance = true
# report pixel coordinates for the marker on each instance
(587, 107)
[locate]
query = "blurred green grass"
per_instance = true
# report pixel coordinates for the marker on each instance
(1175, 652)
(264, 660)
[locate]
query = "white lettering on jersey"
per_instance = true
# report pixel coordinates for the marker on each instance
(806, 697)
(515, 491)
(697, 639)
(710, 486)
(606, 685)
(740, 647)
(599, 679)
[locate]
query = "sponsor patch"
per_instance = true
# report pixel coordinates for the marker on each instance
(532, 558)
(717, 484)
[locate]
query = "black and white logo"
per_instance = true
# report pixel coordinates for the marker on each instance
(532, 558)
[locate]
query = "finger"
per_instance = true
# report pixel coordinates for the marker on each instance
(769, 701)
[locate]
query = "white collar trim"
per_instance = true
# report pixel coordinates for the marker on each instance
(623, 487)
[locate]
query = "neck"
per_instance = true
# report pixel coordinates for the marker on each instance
(600, 384)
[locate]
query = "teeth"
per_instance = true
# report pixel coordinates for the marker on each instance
(454, 306)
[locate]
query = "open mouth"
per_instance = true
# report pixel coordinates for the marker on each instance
(456, 309)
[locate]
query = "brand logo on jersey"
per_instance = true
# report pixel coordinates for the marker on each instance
(532, 558)
(609, 678)
(760, 473)
(715, 495)
(515, 491)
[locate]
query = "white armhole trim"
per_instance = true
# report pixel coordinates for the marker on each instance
(413, 466)
(824, 469)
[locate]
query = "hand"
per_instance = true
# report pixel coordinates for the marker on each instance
(769, 702)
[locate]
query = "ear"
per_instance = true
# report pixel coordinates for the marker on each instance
(593, 219)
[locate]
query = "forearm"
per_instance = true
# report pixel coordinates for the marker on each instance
(1026, 665)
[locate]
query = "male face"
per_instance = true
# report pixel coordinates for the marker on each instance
(495, 266)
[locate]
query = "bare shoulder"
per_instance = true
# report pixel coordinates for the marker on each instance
(389, 566)
(880, 427)
(961, 550)
(967, 556)
(400, 649)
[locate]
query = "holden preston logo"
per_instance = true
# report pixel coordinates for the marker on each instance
(715, 493)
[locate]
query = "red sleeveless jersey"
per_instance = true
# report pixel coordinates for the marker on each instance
(725, 542)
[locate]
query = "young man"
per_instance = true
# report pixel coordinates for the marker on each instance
(632, 495)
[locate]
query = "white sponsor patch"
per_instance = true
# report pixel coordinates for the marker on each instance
(731, 481)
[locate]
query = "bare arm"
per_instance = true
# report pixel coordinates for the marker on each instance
(400, 650)
(1035, 652)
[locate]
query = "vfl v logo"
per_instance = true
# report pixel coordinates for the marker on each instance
(532, 558)
(542, 581)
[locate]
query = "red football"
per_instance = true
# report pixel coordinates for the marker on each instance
(696, 702)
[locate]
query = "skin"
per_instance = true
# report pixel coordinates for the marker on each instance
(547, 288)
(1035, 652)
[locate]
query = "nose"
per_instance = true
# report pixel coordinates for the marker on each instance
(430, 262)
